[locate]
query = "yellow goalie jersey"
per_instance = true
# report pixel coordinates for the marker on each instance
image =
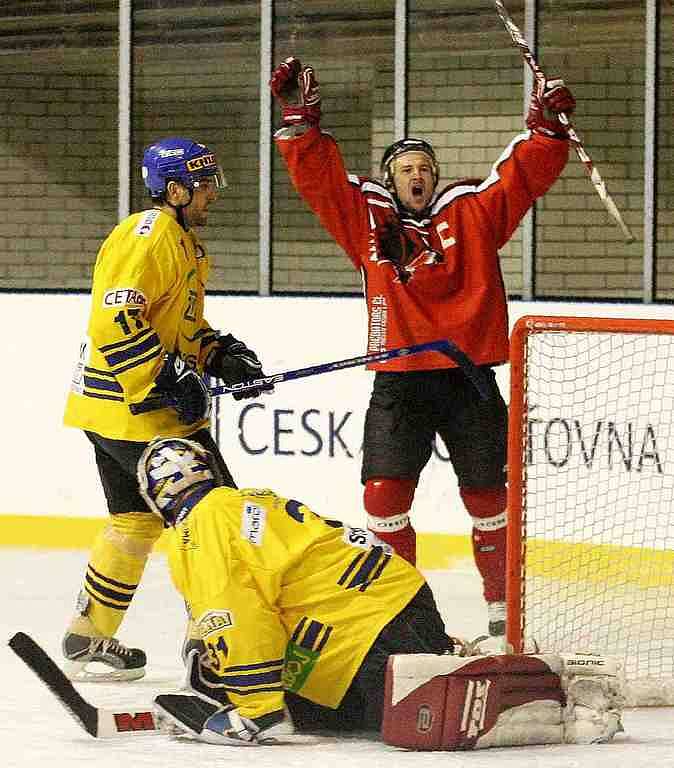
(147, 298)
(284, 599)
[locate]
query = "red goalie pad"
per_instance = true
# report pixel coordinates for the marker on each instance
(445, 702)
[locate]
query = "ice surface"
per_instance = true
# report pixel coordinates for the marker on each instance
(39, 589)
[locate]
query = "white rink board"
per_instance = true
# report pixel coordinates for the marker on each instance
(303, 441)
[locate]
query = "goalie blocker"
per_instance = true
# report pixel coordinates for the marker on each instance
(452, 703)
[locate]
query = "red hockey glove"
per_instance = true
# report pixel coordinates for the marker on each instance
(298, 93)
(548, 100)
(283, 83)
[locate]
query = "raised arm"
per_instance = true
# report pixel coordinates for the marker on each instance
(530, 164)
(313, 158)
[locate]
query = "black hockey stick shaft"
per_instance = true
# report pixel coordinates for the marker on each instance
(44, 667)
(97, 722)
(444, 346)
(520, 41)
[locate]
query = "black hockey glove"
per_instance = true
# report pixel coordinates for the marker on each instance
(232, 361)
(191, 397)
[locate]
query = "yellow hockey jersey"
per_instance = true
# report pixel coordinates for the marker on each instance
(147, 298)
(284, 599)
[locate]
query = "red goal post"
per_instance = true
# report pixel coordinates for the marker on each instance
(591, 494)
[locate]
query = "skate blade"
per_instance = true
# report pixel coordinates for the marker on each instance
(99, 672)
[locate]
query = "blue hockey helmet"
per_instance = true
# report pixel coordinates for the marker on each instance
(399, 148)
(182, 160)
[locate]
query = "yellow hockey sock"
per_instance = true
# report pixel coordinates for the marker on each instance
(116, 564)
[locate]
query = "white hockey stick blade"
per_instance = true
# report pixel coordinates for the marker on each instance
(96, 721)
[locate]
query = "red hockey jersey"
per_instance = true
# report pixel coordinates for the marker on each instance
(434, 276)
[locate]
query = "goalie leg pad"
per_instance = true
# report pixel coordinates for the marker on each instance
(450, 703)
(594, 688)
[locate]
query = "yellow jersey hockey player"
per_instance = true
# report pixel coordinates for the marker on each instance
(293, 609)
(308, 624)
(147, 339)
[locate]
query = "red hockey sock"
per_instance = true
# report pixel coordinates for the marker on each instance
(387, 502)
(487, 508)
(404, 542)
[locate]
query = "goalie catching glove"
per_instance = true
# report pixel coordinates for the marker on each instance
(232, 361)
(550, 99)
(296, 89)
(450, 703)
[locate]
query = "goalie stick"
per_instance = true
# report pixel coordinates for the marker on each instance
(444, 346)
(97, 722)
(520, 41)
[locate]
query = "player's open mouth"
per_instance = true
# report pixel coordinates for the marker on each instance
(417, 190)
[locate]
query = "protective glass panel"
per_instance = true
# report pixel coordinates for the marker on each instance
(350, 44)
(58, 141)
(196, 74)
(580, 251)
(664, 157)
(465, 95)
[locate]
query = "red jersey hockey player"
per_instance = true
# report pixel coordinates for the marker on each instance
(431, 270)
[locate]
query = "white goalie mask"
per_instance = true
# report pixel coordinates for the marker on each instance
(173, 474)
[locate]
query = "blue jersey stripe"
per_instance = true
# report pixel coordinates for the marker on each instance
(135, 350)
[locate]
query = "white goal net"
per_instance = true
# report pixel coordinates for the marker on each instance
(591, 494)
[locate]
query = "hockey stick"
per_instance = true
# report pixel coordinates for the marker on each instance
(520, 41)
(444, 346)
(96, 721)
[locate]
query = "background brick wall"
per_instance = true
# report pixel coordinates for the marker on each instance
(58, 132)
(58, 167)
(214, 100)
